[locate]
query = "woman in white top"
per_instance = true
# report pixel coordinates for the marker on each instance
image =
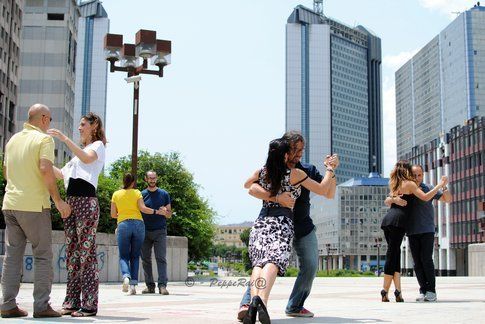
(81, 180)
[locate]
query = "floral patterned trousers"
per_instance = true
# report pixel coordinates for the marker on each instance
(82, 265)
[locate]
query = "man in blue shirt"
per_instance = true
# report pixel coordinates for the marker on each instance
(305, 241)
(420, 229)
(155, 234)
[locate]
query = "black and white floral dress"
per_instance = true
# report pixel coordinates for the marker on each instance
(271, 237)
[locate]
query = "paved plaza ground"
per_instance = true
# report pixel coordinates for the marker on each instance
(333, 300)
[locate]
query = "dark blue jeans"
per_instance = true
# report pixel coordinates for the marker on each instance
(306, 249)
(130, 235)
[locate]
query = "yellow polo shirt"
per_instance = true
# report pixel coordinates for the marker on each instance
(26, 190)
(126, 201)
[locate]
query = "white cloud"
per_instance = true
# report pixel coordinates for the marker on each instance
(394, 62)
(447, 7)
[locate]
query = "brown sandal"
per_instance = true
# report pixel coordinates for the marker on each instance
(84, 313)
(67, 311)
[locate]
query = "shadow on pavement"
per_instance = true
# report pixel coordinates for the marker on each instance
(461, 301)
(65, 319)
(323, 319)
(157, 295)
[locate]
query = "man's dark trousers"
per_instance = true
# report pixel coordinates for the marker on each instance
(158, 240)
(422, 250)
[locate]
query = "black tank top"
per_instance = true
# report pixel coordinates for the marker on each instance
(80, 188)
(397, 216)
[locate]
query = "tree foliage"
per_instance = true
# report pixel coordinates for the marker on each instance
(244, 236)
(192, 215)
(245, 254)
(225, 251)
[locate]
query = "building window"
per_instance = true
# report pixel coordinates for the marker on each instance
(34, 3)
(55, 16)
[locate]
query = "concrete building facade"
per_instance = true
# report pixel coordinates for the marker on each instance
(229, 235)
(460, 154)
(48, 69)
(10, 30)
(352, 234)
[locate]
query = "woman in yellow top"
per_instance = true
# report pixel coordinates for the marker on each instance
(126, 205)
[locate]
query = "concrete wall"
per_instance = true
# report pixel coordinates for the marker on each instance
(476, 259)
(108, 259)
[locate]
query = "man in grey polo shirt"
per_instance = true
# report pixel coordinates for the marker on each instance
(420, 230)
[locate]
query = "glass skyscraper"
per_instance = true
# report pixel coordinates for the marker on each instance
(333, 96)
(441, 86)
(91, 66)
(333, 91)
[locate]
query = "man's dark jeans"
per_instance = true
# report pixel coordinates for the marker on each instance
(158, 240)
(422, 250)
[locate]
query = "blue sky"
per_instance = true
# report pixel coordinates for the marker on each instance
(223, 97)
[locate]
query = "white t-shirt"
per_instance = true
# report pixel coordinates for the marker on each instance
(89, 172)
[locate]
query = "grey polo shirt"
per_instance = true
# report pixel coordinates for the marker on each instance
(421, 214)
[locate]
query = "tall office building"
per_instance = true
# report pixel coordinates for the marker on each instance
(460, 153)
(442, 85)
(333, 96)
(91, 67)
(10, 27)
(48, 69)
(333, 91)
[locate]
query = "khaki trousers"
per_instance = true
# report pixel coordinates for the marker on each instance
(37, 228)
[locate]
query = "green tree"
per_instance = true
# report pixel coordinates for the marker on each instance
(192, 215)
(245, 255)
(244, 236)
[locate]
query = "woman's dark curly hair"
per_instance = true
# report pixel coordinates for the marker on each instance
(276, 164)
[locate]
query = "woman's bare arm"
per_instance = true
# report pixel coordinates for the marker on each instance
(415, 190)
(252, 179)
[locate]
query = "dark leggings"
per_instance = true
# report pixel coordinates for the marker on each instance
(394, 236)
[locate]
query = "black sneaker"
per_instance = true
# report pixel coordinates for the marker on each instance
(148, 290)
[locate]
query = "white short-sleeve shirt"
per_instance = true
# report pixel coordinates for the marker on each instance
(76, 169)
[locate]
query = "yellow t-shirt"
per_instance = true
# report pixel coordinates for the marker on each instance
(126, 201)
(26, 190)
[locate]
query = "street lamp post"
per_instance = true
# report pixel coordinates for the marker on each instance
(134, 61)
(378, 241)
(329, 249)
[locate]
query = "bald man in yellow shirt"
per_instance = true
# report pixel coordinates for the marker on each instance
(29, 156)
